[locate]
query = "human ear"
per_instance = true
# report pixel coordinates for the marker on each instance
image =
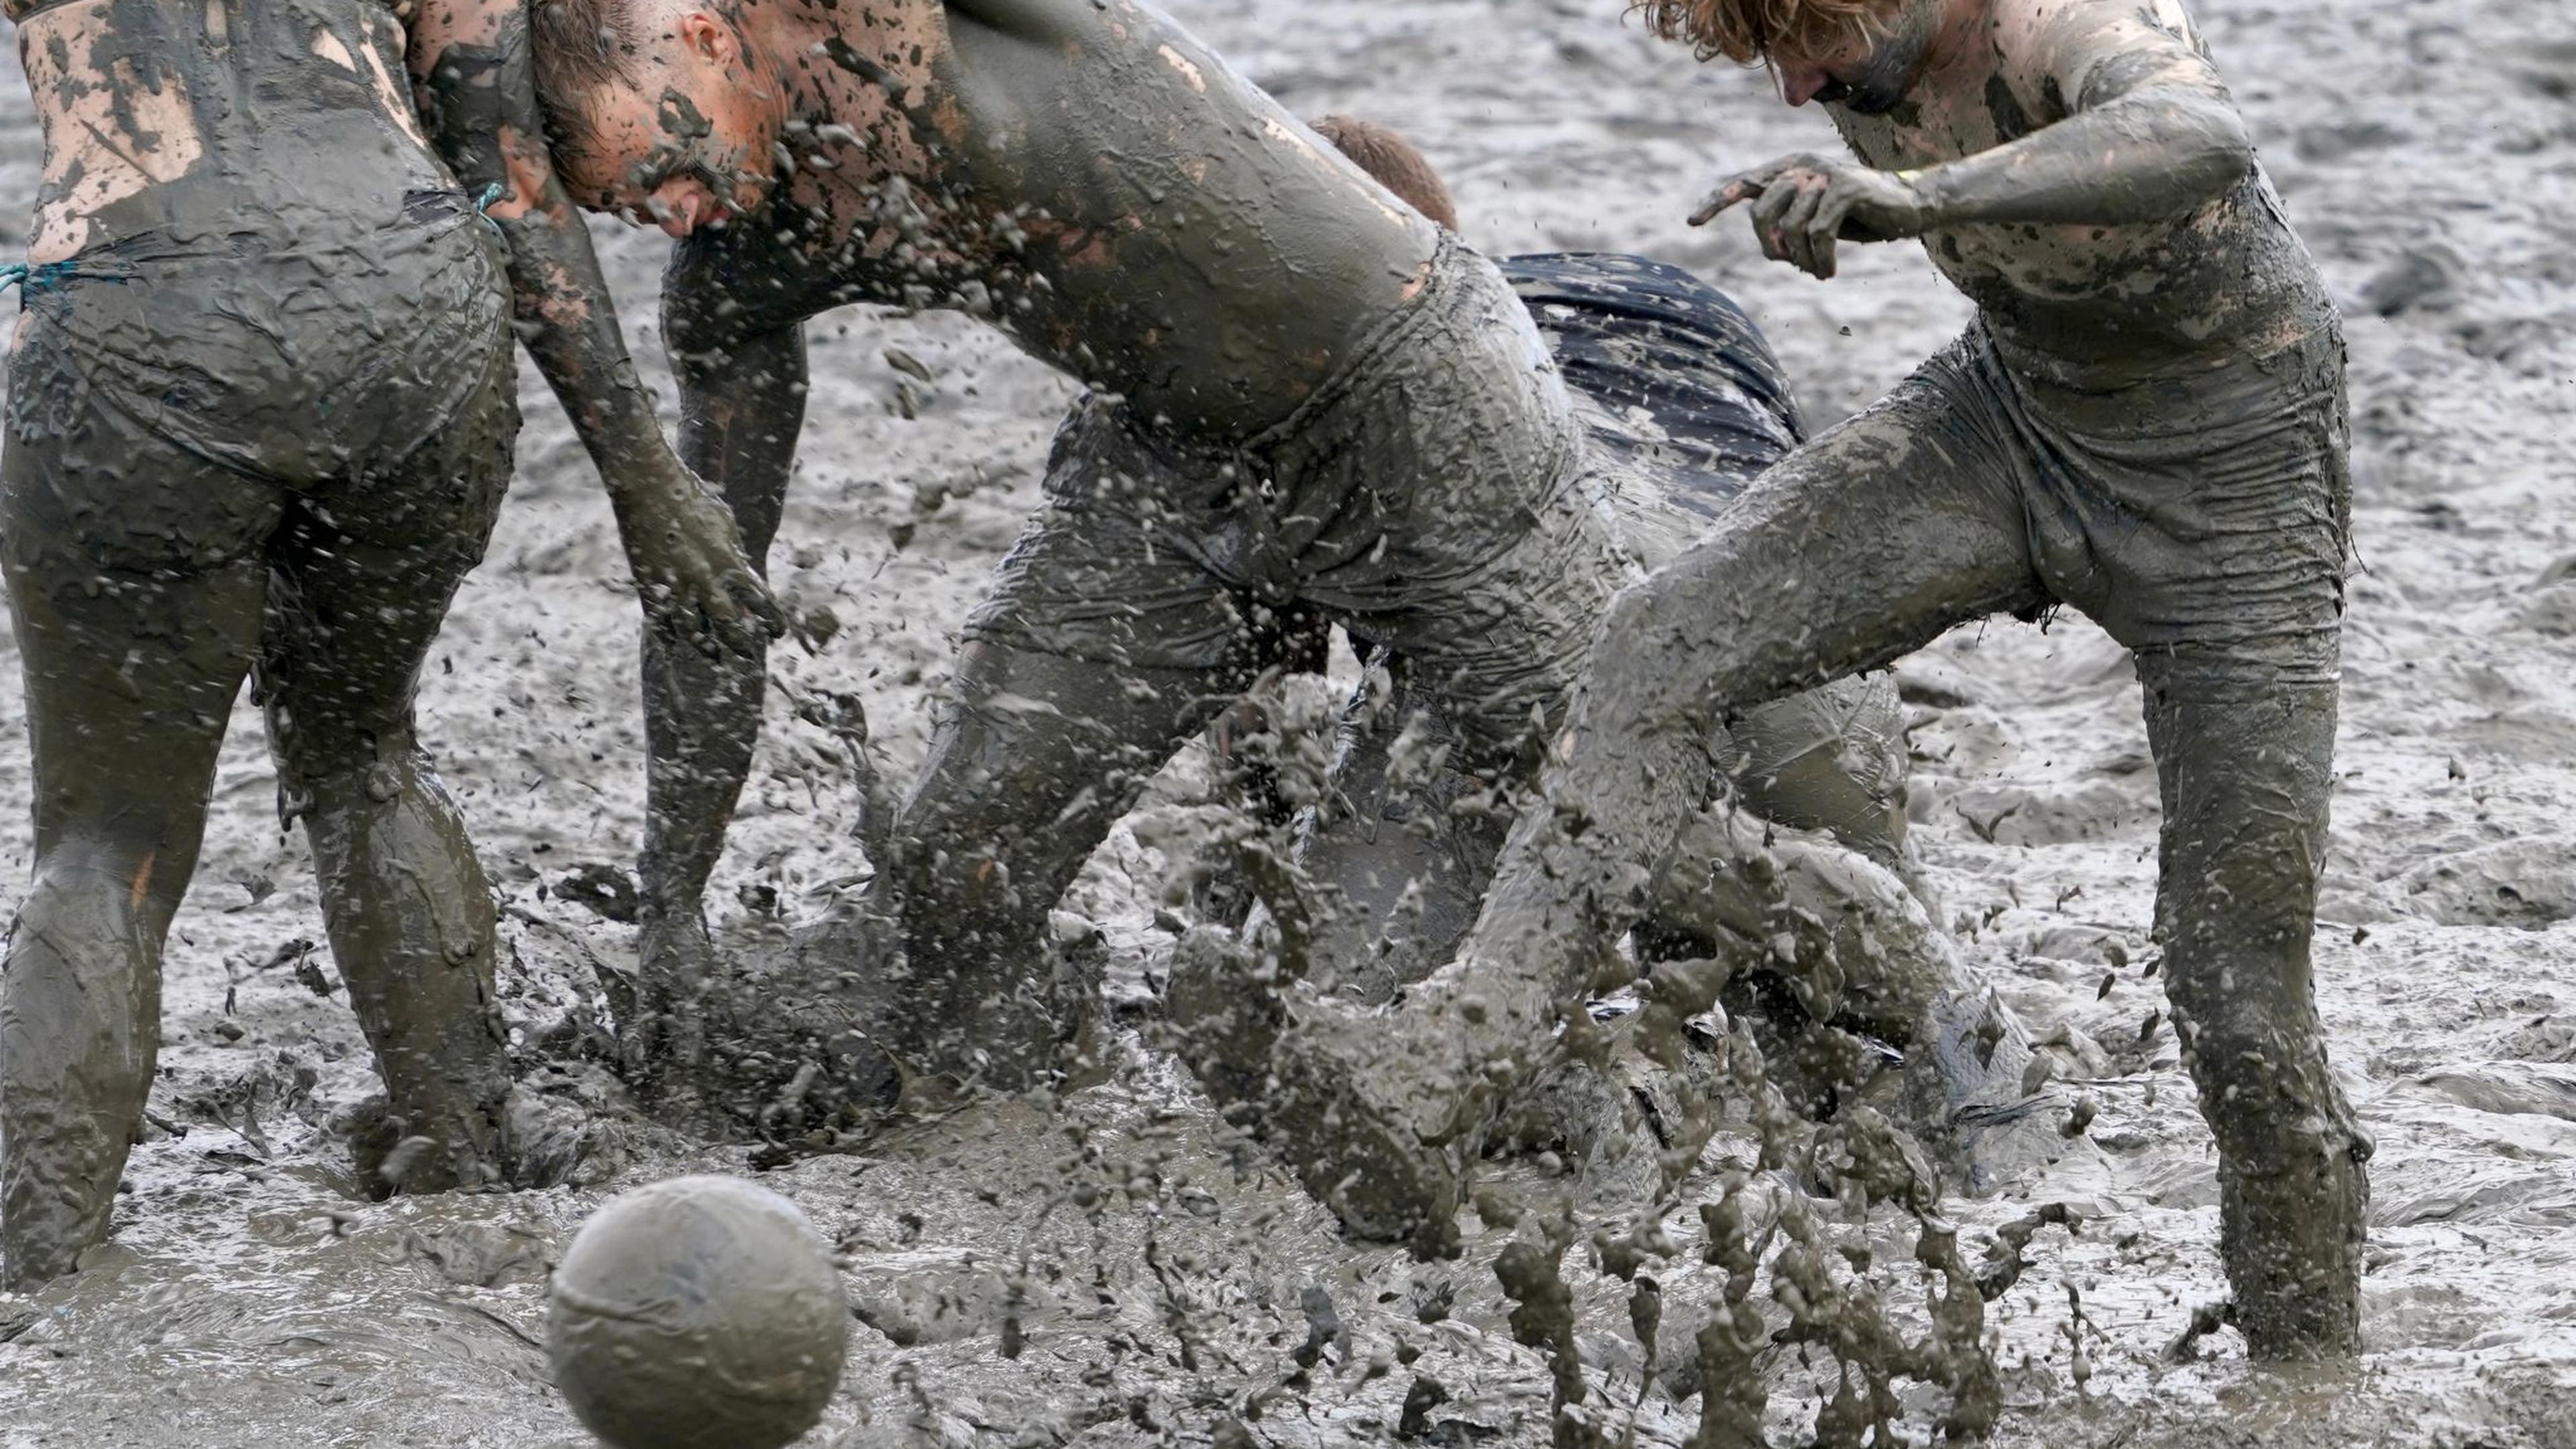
(706, 38)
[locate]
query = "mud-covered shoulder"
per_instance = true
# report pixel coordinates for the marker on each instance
(2068, 56)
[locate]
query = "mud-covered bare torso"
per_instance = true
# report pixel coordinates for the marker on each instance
(1090, 178)
(2092, 302)
(208, 117)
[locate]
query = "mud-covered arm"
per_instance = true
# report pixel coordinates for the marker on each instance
(2148, 133)
(471, 70)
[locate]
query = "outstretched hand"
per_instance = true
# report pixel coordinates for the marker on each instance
(695, 579)
(1804, 204)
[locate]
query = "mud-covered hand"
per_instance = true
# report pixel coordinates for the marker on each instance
(1804, 204)
(695, 580)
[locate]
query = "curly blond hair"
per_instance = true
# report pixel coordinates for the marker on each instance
(1748, 31)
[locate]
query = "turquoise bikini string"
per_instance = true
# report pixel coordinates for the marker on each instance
(36, 276)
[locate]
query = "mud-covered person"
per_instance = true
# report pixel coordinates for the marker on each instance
(261, 411)
(1307, 399)
(2146, 420)
(1683, 405)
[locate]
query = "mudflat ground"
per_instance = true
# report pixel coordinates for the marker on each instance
(2427, 151)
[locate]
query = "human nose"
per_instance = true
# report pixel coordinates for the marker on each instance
(1800, 83)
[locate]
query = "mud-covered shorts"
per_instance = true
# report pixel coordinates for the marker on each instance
(1432, 498)
(178, 406)
(2203, 521)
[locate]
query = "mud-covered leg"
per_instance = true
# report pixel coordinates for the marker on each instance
(2246, 768)
(130, 678)
(356, 597)
(1406, 848)
(1034, 758)
(702, 707)
(1856, 549)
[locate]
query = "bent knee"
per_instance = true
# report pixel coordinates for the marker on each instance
(324, 767)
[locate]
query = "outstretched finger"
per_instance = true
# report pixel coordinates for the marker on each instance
(1825, 229)
(1737, 189)
(1771, 221)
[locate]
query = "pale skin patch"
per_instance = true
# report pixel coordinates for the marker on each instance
(328, 46)
(1421, 278)
(529, 168)
(91, 159)
(396, 98)
(1181, 63)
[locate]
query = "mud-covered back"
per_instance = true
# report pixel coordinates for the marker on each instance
(207, 118)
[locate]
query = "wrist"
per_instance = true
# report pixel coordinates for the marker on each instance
(1926, 198)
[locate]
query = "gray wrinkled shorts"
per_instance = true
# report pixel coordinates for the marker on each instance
(1432, 498)
(2203, 521)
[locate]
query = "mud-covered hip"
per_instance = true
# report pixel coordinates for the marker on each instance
(1448, 431)
(297, 355)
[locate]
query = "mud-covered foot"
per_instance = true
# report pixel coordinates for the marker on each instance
(389, 1156)
(1222, 1017)
(2293, 1207)
(1968, 1093)
(792, 1032)
(550, 1141)
(661, 1036)
(1313, 1081)
(1348, 1107)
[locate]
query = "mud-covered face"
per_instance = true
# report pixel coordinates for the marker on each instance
(1869, 74)
(691, 143)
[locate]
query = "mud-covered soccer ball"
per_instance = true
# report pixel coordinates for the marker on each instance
(698, 1313)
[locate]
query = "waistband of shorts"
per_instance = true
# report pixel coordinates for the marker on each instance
(2296, 373)
(1450, 275)
(2054, 377)
(426, 211)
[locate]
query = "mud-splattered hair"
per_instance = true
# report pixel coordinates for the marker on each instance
(579, 46)
(1748, 31)
(1394, 161)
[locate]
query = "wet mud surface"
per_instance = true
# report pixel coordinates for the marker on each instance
(1124, 1270)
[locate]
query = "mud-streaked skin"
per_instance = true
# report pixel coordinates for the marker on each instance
(260, 417)
(2147, 422)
